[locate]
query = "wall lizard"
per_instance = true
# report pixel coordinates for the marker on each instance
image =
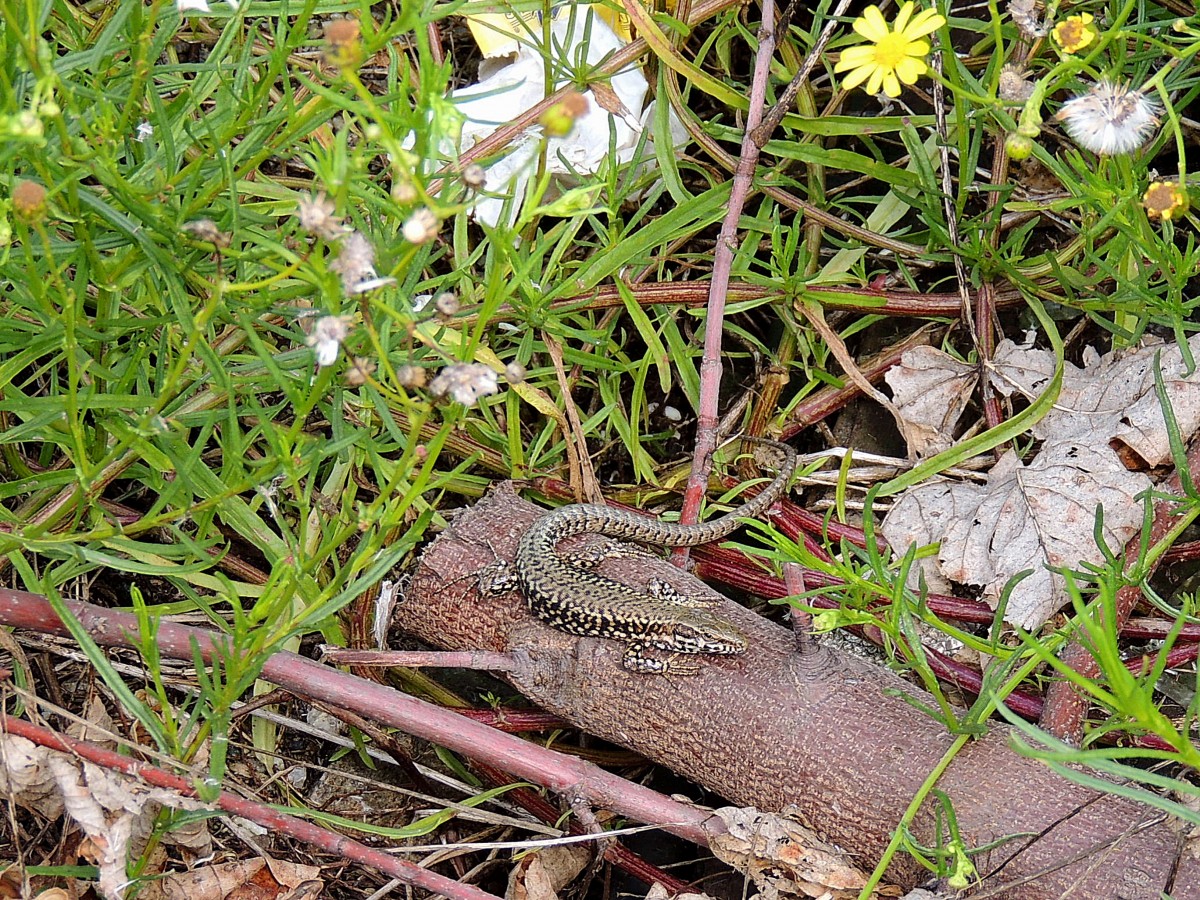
(579, 601)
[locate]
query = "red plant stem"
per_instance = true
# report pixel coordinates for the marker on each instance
(708, 417)
(336, 844)
(306, 678)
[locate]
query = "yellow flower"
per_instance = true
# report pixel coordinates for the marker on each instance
(1074, 33)
(893, 56)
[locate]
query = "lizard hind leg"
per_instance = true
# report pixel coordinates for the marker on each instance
(636, 660)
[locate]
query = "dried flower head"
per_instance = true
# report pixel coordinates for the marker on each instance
(1165, 200)
(1109, 119)
(1025, 16)
(421, 227)
(404, 192)
(411, 376)
(355, 264)
(464, 383)
(473, 176)
(343, 43)
(447, 305)
(206, 230)
(317, 218)
(327, 335)
(1015, 86)
(359, 371)
(29, 200)
(895, 55)
(514, 373)
(1074, 33)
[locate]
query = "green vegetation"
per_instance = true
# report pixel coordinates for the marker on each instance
(254, 343)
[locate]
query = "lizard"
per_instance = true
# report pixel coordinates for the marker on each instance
(578, 601)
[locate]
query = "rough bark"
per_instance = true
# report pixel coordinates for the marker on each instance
(824, 733)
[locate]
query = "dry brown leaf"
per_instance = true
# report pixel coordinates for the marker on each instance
(658, 892)
(99, 725)
(258, 878)
(930, 389)
(1025, 517)
(542, 874)
(783, 858)
(1111, 399)
(115, 811)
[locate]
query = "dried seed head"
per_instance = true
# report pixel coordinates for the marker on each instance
(206, 230)
(359, 371)
(1025, 16)
(514, 373)
(1015, 86)
(317, 218)
(29, 201)
(473, 176)
(411, 377)
(447, 305)
(422, 226)
(1109, 119)
(326, 338)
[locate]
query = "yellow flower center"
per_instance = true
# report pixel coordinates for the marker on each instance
(892, 50)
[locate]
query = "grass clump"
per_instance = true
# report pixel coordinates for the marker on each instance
(259, 330)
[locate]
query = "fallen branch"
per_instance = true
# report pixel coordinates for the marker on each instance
(825, 734)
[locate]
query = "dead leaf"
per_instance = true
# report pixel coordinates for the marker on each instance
(1025, 517)
(115, 812)
(930, 389)
(542, 874)
(257, 878)
(1111, 399)
(784, 858)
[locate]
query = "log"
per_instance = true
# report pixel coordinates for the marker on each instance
(823, 734)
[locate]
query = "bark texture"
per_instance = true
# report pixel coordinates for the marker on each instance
(821, 732)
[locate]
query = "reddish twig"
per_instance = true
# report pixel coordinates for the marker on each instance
(710, 367)
(306, 678)
(336, 844)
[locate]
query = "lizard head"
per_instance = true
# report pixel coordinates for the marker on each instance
(707, 634)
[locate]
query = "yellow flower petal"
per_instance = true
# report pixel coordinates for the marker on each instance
(853, 57)
(896, 53)
(909, 70)
(871, 24)
(857, 77)
(924, 23)
(901, 23)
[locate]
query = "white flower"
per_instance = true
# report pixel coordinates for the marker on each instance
(144, 130)
(327, 335)
(465, 383)
(1109, 119)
